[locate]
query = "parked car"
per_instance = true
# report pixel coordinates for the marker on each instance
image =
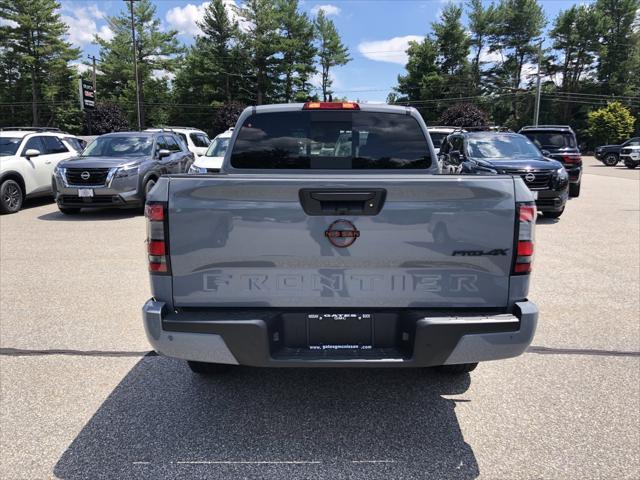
(510, 153)
(118, 170)
(352, 278)
(28, 156)
(610, 154)
(196, 140)
(559, 142)
(211, 161)
(630, 155)
(439, 134)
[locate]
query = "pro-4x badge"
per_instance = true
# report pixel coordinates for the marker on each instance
(480, 253)
(342, 233)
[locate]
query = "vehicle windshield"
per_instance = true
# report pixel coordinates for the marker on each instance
(200, 139)
(510, 147)
(437, 138)
(119, 146)
(551, 140)
(9, 145)
(325, 140)
(218, 147)
(75, 143)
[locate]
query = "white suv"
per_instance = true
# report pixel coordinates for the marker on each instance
(27, 160)
(211, 161)
(196, 140)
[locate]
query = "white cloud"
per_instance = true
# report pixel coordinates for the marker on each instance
(490, 57)
(160, 74)
(316, 80)
(184, 19)
(82, 24)
(8, 23)
(80, 67)
(327, 9)
(392, 50)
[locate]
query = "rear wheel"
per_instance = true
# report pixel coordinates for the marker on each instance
(69, 210)
(458, 368)
(203, 368)
(11, 196)
(574, 189)
(147, 188)
(611, 160)
(553, 214)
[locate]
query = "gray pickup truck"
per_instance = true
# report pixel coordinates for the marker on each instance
(330, 239)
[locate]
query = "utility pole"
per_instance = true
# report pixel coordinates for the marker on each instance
(93, 59)
(135, 62)
(536, 111)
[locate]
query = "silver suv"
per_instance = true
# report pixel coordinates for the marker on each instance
(118, 170)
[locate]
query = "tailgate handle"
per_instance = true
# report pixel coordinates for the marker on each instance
(342, 201)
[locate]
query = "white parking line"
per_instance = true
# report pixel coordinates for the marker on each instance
(373, 461)
(248, 462)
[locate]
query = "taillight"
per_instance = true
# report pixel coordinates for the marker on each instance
(331, 106)
(157, 237)
(572, 159)
(527, 214)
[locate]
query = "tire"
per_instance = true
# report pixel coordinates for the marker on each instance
(610, 160)
(574, 189)
(147, 188)
(631, 165)
(11, 196)
(553, 214)
(457, 369)
(69, 210)
(202, 368)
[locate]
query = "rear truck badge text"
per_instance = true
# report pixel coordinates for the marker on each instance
(480, 253)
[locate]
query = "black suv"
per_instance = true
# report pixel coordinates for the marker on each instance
(511, 153)
(559, 142)
(610, 154)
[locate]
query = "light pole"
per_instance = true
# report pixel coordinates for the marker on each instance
(536, 111)
(135, 62)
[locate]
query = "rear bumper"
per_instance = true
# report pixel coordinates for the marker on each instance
(252, 338)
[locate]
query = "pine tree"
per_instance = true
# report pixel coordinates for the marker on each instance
(480, 22)
(453, 49)
(331, 51)
(298, 50)
(156, 54)
(34, 54)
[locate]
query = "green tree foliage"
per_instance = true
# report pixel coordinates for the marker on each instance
(226, 116)
(611, 124)
(480, 25)
(261, 42)
(156, 53)
(298, 51)
(422, 80)
(34, 57)
(464, 115)
(452, 43)
(620, 44)
(331, 51)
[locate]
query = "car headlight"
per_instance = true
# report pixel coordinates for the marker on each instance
(58, 171)
(562, 175)
(127, 170)
(194, 170)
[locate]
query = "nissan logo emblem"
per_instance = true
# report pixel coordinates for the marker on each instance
(529, 177)
(85, 175)
(342, 233)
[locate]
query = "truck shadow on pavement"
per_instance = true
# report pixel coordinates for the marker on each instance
(162, 421)
(91, 215)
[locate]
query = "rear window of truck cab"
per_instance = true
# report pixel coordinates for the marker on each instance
(330, 140)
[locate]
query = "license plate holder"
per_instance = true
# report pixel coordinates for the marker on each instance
(340, 331)
(85, 192)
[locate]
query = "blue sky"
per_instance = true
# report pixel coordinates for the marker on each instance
(376, 32)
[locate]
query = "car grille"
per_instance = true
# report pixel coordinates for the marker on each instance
(97, 176)
(540, 182)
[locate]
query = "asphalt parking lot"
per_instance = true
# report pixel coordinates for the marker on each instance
(82, 397)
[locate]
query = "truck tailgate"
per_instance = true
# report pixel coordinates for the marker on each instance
(246, 240)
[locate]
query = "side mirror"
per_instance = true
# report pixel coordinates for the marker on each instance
(545, 153)
(163, 152)
(32, 152)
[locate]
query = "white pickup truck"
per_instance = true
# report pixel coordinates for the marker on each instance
(330, 239)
